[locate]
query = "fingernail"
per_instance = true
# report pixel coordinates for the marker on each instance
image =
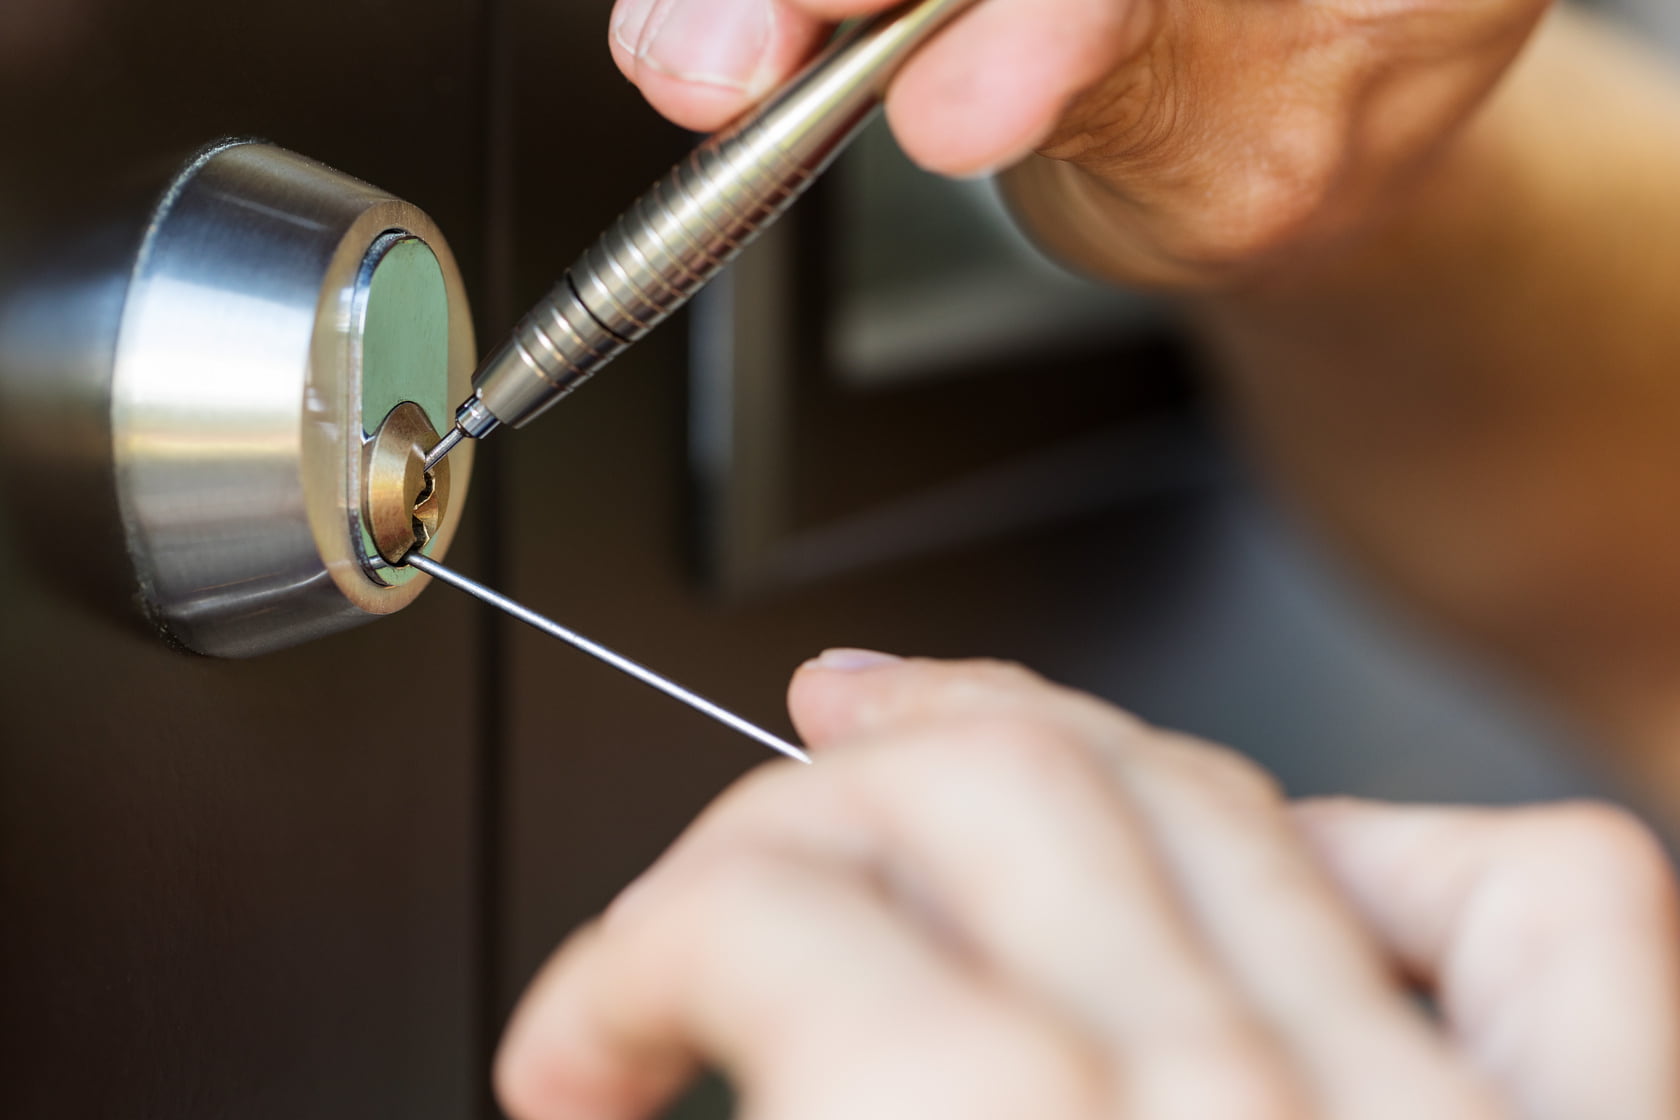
(713, 42)
(628, 19)
(852, 660)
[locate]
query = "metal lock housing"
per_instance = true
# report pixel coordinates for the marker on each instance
(281, 328)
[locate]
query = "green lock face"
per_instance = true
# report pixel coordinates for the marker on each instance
(400, 348)
(404, 335)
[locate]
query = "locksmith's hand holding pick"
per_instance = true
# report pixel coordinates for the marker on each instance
(1436, 244)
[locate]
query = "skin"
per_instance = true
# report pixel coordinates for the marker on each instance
(1431, 245)
(1477, 400)
(993, 897)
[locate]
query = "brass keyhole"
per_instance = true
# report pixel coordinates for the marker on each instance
(403, 502)
(428, 511)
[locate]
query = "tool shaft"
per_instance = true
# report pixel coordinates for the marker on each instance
(682, 232)
(443, 447)
(618, 661)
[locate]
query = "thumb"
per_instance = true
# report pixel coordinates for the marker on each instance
(826, 693)
(701, 63)
(1548, 936)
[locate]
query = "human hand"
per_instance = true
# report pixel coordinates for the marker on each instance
(993, 897)
(1201, 140)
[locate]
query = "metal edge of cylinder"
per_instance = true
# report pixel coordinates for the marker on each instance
(315, 584)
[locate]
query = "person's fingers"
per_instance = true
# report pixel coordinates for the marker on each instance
(1549, 935)
(701, 63)
(1288, 939)
(991, 88)
(562, 1057)
(982, 94)
(1012, 835)
(1257, 897)
(792, 976)
(848, 693)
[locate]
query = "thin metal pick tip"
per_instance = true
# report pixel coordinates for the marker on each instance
(531, 618)
(444, 446)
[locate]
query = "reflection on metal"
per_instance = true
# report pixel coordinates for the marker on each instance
(443, 447)
(218, 399)
(404, 503)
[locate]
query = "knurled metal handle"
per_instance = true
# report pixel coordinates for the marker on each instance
(680, 234)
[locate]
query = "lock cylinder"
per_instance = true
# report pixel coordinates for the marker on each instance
(290, 340)
(403, 503)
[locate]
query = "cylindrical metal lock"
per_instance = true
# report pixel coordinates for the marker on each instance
(692, 223)
(275, 314)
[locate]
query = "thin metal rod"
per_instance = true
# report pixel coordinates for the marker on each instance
(618, 661)
(444, 446)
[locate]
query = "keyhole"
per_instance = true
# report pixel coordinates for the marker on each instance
(404, 503)
(424, 516)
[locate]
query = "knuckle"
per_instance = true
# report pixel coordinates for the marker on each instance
(1238, 783)
(1603, 828)
(1221, 199)
(1281, 195)
(1597, 842)
(1027, 747)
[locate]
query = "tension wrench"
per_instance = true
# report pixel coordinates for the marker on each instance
(418, 560)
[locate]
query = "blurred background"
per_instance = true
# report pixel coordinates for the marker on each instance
(231, 888)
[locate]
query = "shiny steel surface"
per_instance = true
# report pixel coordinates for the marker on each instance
(683, 231)
(236, 403)
(618, 661)
(443, 447)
